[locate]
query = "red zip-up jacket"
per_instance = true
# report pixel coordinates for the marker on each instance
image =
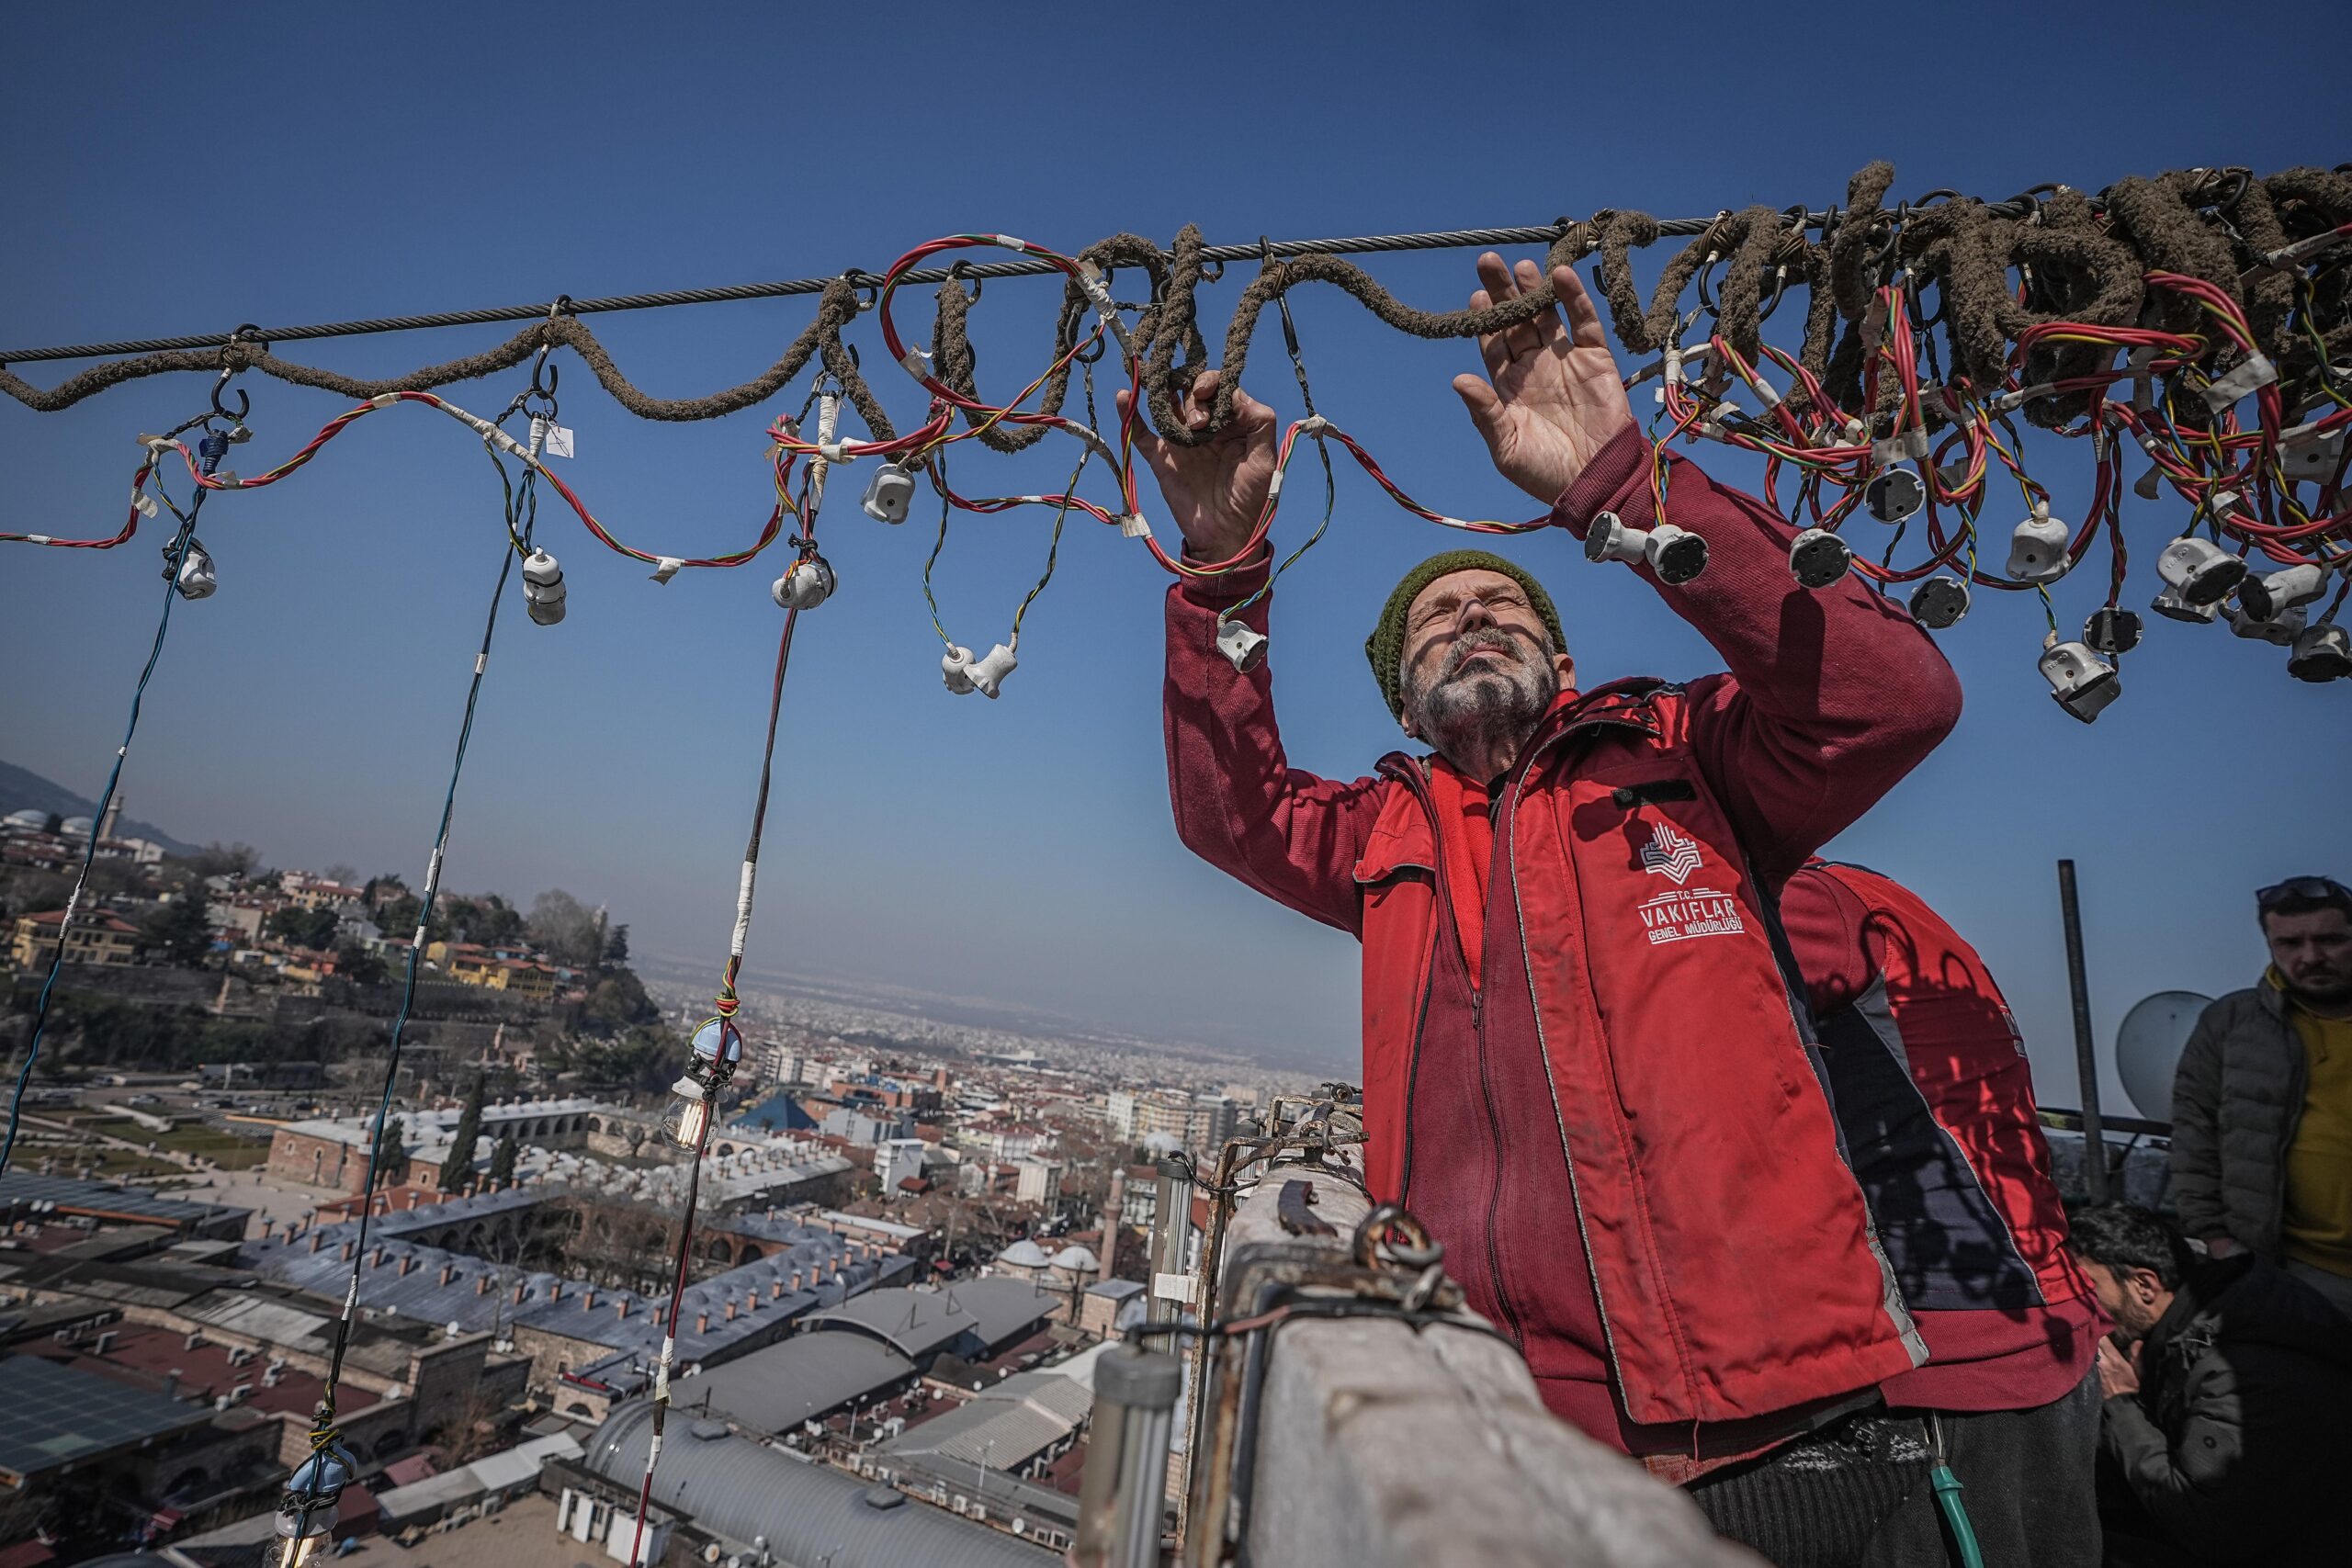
(1930, 1083)
(1620, 1131)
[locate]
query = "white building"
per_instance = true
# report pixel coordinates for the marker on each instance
(895, 1160)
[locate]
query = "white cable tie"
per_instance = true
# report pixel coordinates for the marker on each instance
(1764, 392)
(1274, 488)
(481, 662)
(2251, 372)
(1133, 526)
(1314, 424)
(1453, 523)
(915, 363)
(1009, 244)
(383, 399)
(46, 539)
(2288, 255)
(2138, 362)
(744, 910)
(2009, 402)
(1090, 278)
(228, 480)
(668, 568)
(841, 451)
(141, 502)
(829, 413)
(158, 443)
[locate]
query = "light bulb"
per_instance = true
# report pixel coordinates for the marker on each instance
(688, 1117)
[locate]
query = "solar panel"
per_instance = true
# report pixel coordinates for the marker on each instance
(52, 1415)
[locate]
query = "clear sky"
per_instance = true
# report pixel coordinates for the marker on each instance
(171, 170)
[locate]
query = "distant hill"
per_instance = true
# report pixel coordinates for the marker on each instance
(23, 790)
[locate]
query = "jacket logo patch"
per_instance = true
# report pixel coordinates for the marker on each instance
(1670, 854)
(1680, 916)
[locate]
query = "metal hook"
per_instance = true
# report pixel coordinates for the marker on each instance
(1282, 302)
(960, 269)
(864, 283)
(228, 373)
(1706, 296)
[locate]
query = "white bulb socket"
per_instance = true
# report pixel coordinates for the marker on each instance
(1818, 557)
(2199, 570)
(1243, 648)
(889, 494)
(806, 583)
(2082, 681)
(2038, 549)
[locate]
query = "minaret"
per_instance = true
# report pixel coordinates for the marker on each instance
(112, 819)
(1112, 1205)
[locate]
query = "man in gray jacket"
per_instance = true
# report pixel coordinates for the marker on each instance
(2262, 1102)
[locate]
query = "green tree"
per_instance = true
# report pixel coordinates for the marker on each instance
(618, 1002)
(180, 930)
(216, 859)
(616, 946)
(498, 922)
(502, 1158)
(303, 928)
(459, 1165)
(358, 966)
(392, 1153)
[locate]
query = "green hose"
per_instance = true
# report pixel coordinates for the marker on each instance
(1955, 1512)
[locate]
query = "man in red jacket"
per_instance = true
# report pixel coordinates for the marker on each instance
(1585, 1067)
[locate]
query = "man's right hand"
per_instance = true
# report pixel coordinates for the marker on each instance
(1216, 491)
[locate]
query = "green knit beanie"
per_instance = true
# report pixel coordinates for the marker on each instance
(1385, 646)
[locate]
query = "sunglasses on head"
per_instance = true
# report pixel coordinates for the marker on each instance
(2302, 888)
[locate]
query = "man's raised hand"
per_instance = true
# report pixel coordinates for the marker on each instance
(1551, 398)
(1216, 491)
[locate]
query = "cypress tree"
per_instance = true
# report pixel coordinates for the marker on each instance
(459, 1165)
(392, 1152)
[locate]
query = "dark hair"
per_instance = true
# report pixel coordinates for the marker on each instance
(2303, 895)
(2125, 1235)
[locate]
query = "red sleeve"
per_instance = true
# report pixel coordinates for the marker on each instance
(1827, 927)
(1240, 805)
(1833, 694)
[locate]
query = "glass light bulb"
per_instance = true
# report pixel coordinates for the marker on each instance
(686, 1120)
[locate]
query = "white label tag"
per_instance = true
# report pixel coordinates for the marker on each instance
(1175, 1288)
(553, 440)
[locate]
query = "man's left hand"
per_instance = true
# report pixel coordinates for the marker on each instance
(2118, 1373)
(1552, 398)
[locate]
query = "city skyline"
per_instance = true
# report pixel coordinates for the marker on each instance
(1021, 847)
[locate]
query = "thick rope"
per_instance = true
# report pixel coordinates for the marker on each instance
(2075, 257)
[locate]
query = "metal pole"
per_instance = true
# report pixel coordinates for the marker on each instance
(1122, 1496)
(1172, 1222)
(2086, 1054)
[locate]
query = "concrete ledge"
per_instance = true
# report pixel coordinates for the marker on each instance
(1379, 1446)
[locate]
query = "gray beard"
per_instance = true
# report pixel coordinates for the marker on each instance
(1464, 717)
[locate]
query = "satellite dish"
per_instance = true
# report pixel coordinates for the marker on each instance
(2148, 1046)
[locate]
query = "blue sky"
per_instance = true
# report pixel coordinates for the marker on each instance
(168, 173)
